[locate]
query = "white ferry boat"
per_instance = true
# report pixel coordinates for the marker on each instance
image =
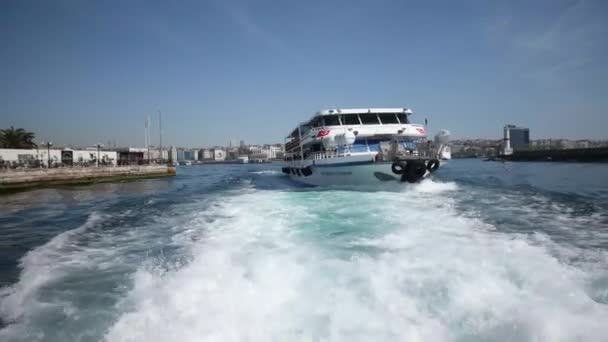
(361, 146)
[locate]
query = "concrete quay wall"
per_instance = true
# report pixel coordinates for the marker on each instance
(14, 179)
(598, 154)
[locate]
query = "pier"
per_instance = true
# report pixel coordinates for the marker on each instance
(21, 179)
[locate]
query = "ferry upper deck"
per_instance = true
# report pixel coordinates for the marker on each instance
(363, 122)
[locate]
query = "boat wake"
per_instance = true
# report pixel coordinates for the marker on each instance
(314, 266)
(308, 265)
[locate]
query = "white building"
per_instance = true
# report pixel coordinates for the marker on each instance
(255, 149)
(273, 152)
(205, 154)
(65, 156)
(219, 154)
(172, 153)
(90, 155)
(156, 155)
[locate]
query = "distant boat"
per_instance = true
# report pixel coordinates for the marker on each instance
(360, 147)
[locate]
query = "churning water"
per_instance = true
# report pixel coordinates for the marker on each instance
(481, 252)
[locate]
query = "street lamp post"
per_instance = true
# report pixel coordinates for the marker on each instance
(38, 161)
(98, 153)
(48, 154)
(160, 131)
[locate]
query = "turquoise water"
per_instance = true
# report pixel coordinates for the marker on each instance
(481, 252)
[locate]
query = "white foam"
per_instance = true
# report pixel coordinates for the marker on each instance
(430, 186)
(41, 266)
(266, 172)
(271, 268)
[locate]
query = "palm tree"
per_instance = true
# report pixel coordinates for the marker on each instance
(16, 138)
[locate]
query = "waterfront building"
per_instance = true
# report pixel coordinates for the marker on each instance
(206, 154)
(130, 155)
(569, 144)
(172, 154)
(515, 138)
(255, 150)
(180, 155)
(201, 154)
(272, 152)
(219, 154)
(156, 155)
(188, 155)
(243, 148)
(520, 137)
(41, 157)
(232, 154)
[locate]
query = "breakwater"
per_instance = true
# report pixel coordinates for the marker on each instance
(576, 154)
(28, 178)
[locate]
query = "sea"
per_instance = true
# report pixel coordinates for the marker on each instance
(482, 251)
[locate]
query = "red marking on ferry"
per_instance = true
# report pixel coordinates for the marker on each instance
(323, 133)
(420, 130)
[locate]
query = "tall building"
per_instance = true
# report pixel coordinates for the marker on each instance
(516, 138)
(520, 137)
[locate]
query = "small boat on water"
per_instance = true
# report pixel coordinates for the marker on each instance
(361, 146)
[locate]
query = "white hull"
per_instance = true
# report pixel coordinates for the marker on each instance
(350, 175)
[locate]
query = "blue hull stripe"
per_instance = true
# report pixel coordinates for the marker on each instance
(363, 162)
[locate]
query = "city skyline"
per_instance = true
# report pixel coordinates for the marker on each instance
(81, 73)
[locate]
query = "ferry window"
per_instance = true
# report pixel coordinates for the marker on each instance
(331, 120)
(388, 118)
(316, 122)
(304, 130)
(350, 119)
(369, 119)
(403, 118)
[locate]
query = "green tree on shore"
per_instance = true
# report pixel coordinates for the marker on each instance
(16, 138)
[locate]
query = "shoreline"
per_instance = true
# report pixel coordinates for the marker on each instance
(23, 180)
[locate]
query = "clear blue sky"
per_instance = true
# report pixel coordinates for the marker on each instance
(79, 72)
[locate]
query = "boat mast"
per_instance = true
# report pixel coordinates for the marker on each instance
(160, 129)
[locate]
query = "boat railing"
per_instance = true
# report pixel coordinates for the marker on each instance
(325, 155)
(342, 152)
(403, 150)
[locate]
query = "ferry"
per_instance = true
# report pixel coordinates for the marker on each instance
(361, 146)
